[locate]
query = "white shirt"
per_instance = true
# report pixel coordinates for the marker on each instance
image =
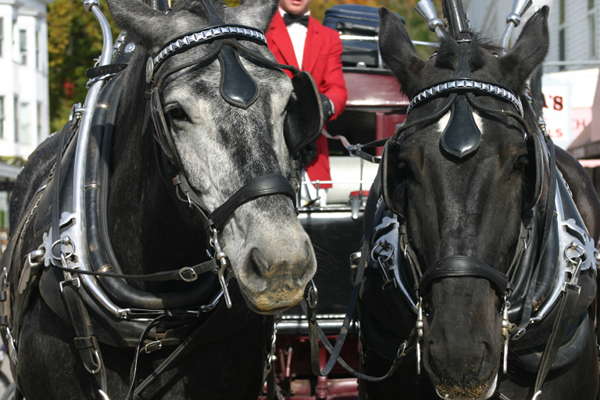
(297, 34)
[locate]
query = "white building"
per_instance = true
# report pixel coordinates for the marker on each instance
(571, 69)
(24, 106)
(574, 33)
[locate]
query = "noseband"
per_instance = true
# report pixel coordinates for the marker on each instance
(462, 267)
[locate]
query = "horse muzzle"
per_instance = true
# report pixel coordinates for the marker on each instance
(481, 392)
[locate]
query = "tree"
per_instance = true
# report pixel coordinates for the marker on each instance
(75, 40)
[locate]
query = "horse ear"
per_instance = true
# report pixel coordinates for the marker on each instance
(138, 19)
(254, 13)
(529, 51)
(398, 52)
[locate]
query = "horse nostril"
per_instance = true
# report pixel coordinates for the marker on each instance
(259, 264)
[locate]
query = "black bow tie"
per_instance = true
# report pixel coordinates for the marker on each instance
(295, 19)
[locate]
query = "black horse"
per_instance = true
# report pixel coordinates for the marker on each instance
(220, 105)
(475, 191)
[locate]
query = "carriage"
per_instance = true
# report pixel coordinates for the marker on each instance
(375, 107)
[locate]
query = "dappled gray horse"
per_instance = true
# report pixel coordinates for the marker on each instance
(205, 185)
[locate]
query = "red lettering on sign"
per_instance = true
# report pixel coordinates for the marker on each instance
(558, 103)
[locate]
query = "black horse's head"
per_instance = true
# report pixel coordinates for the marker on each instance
(224, 128)
(468, 204)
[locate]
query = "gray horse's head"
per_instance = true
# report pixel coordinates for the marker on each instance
(223, 147)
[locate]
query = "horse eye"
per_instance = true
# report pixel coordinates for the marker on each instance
(522, 162)
(177, 114)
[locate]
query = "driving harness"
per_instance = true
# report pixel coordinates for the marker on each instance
(109, 309)
(551, 282)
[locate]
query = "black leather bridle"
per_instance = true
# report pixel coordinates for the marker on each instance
(223, 42)
(459, 265)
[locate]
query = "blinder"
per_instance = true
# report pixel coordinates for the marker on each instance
(304, 114)
(304, 120)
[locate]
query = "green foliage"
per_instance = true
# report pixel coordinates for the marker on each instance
(75, 40)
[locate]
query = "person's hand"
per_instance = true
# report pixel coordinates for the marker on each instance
(327, 105)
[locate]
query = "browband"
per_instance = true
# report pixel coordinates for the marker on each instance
(466, 85)
(203, 36)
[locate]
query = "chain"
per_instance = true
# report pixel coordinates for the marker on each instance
(574, 254)
(507, 327)
(271, 357)
(223, 262)
(420, 333)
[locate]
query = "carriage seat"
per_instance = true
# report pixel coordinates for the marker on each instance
(346, 178)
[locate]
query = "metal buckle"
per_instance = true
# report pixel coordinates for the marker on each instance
(103, 395)
(223, 262)
(312, 295)
(420, 333)
(188, 274)
(153, 346)
(506, 328)
(74, 282)
(97, 361)
(12, 346)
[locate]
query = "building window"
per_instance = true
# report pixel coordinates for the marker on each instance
(1, 36)
(23, 46)
(2, 118)
(592, 35)
(16, 117)
(39, 121)
(562, 12)
(37, 48)
(562, 56)
(24, 128)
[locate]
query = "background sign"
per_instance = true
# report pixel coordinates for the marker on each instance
(569, 98)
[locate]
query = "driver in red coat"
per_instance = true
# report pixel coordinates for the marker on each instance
(297, 39)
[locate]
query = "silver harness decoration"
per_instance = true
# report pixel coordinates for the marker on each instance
(466, 85)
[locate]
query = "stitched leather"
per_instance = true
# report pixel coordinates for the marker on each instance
(463, 266)
(260, 187)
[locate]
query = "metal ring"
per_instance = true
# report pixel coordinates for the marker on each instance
(188, 274)
(401, 353)
(312, 295)
(97, 361)
(66, 241)
(579, 251)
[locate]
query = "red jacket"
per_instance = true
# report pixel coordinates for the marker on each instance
(323, 60)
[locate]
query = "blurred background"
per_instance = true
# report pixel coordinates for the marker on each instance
(46, 46)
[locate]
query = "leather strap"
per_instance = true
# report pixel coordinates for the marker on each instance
(316, 334)
(84, 340)
(566, 305)
(260, 187)
(185, 274)
(463, 266)
(110, 69)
